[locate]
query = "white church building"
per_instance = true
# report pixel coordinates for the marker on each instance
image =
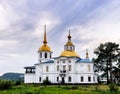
(68, 67)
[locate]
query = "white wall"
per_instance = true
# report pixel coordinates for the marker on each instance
(78, 70)
(29, 78)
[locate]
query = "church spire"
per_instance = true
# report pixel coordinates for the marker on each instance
(69, 43)
(45, 39)
(45, 47)
(87, 53)
(69, 36)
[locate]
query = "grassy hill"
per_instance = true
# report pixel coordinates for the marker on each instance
(12, 76)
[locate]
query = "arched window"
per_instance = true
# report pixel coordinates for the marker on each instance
(40, 55)
(69, 79)
(57, 79)
(45, 55)
(69, 61)
(58, 62)
(67, 48)
(82, 78)
(89, 79)
(39, 79)
(50, 55)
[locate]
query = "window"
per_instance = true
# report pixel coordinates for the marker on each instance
(82, 78)
(67, 48)
(45, 55)
(40, 79)
(88, 67)
(40, 55)
(33, 70)
(69, 67)
(70, 48)
(69, 79)
(58, 62)
(47, 68)
(64, 67)
(63, 61)
(69, 61)
(89, 79)
(47, 78)
(50, 55)
(57, 79)
(30, 70)
(57, 67)
(94, 79)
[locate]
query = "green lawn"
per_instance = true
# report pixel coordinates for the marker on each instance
(54, 89)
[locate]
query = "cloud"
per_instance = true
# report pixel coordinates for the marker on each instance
(102, 26)
(48, 19)
(7, 43)
(22, 25)
(9, 13)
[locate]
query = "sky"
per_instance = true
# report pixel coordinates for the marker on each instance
(22, 26)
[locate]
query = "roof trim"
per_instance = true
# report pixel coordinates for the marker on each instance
(50, 61)
(29, 67)
(87, 60)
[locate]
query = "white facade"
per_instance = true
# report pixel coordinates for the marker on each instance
(66, 68)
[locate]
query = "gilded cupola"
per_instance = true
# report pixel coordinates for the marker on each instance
(69, 48)
(69, 43)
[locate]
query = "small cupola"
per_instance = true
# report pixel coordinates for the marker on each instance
(69, 48)
(69, 45)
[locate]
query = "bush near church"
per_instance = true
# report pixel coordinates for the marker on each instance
(46, 82)
(4, 84)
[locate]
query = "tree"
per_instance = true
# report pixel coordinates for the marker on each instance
(116, 71)
(107, 54)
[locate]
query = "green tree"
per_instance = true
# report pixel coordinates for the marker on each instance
(107, 54)
(116, 71)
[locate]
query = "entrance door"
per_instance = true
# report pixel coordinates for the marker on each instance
(63, 80)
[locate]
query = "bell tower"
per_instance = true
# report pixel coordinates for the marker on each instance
(44, 52)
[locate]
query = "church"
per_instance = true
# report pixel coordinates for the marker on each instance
(67, 68)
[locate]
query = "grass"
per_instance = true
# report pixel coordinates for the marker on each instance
(55, 89)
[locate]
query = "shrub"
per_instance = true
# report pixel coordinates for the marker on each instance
(4, 84)
(113, 88)
(70, 87)
(46, 82)
(74, 87)
(18, 83)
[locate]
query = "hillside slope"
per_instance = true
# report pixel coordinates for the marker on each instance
(12, 76)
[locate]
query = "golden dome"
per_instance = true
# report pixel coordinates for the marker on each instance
(69, 43)
(69, 53)
(45, 48)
